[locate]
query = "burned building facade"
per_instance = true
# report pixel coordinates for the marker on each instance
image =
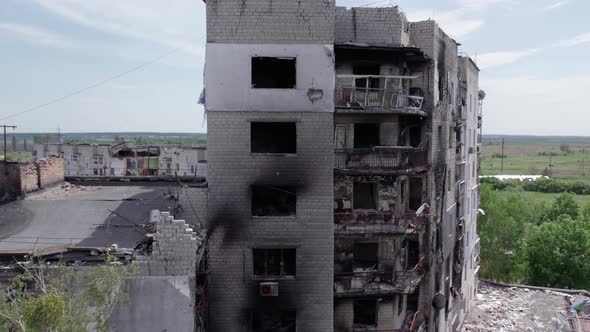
(342, 172)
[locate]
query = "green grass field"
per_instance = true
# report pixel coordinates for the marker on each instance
(548, 198)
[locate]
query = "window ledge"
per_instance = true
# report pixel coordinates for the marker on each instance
(272, 278)
(291, 218)
(274, 154)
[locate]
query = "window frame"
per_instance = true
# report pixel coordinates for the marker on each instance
(282, 274)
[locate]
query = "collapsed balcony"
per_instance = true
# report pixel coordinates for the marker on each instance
(377, 223)
(379, 283)
(378, 93)
(390, 158)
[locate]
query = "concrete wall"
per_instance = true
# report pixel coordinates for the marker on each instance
(164, 303)
(372, 26)
(228, 78)
(270, 21)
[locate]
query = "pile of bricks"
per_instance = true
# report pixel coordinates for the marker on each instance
(175, 249)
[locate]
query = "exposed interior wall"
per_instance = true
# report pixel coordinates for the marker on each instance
(228, 78)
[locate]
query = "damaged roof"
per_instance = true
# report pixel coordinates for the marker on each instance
(81, 216)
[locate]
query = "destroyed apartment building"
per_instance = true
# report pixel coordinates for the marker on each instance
(343, 150)
(126, 159)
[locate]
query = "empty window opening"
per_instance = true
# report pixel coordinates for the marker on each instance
(400, 304)
(274, 262)
(273, 137)
(274, 73)
(366, 135)
(365, 256)
(273, 321)
(440, 138)
(274, 200)
(365, 312)
(412, 302)
(367, 69)
(364, 195)
(415, 193)
(415, 136)
(413, 253)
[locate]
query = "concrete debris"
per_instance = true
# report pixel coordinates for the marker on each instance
(519, 309)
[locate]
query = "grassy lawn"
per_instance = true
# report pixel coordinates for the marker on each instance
(17, 156)
(548, 197)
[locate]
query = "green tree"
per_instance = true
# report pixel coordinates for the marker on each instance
(502, 234)
(564, 204)
(558, 253)
(50, 297)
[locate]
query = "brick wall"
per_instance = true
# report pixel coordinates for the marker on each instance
(176, 250)
(50, 171)
(374, 26)
(270, 21)
(192, 205)
(232, 170)
(27, 177)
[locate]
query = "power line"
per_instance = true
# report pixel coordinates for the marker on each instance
(92, 86)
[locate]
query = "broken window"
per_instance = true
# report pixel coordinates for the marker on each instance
(415, 136)
(274, 73)
(274, 262)
(274, 200)
(412, 302)
(273, 137)
(365, 312)
(366, 135)
(364, 195)
(413, 254)
(415, 193)
(274, 321)
(365, 256)
(367, 69)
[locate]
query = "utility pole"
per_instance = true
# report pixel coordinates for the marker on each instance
(5, 158)
(550, 164)
(502, 159)
(58, 134)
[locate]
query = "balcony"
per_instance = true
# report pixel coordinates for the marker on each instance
(389, 158)
(378, 283)
(377, 223)
(377, 94)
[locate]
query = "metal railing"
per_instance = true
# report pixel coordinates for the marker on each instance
(377, 222)
(380, 157)
(375, 283)
(379, 92)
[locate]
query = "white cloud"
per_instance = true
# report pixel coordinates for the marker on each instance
(168, 24)
(556, 5)
(575, 41)
(33, 35)
(493, 59)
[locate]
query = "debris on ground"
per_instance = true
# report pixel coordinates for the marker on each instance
(498, 308)
(64, 190)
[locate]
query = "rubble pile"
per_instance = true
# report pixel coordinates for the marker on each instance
(519, 309)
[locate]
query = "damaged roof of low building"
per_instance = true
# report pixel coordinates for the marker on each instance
(86, 216)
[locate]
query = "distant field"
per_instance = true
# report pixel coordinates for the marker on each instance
(569, 159)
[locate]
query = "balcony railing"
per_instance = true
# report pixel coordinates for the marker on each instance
(377, 223)
(377, 93)
(380, 157)
(378, 283)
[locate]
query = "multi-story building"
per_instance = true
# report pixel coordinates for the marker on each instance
(342, 179)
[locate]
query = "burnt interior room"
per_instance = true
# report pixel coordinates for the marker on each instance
(273, 137)
(274, 73)
(269, 200)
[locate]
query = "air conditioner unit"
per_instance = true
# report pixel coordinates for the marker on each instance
(269, 289)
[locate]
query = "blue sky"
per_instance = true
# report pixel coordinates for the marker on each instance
(533, 54)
